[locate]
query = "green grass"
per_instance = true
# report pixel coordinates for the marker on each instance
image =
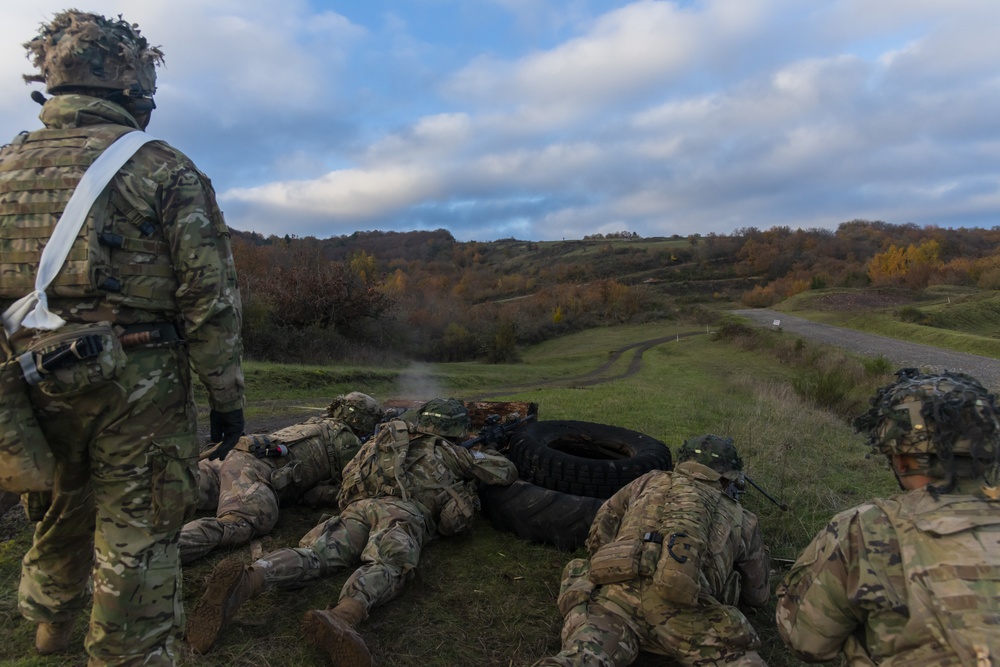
(488, 598)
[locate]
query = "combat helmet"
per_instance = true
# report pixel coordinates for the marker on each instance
(83, 50)
(714, 451)
(941, 419)
(359, 411)
(446, 417)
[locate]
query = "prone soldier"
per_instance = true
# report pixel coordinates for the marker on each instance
(404, 487)
(671, 554)
(299, 463)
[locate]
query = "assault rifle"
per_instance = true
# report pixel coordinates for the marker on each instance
(737, 488)
(494, 432)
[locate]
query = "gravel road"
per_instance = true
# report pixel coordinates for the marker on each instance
(900, 352)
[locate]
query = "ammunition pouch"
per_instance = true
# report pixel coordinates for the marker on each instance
(616, 562)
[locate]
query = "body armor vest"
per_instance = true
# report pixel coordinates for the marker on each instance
(683, 534)
(120, 253)
(317, 450)
(952, 574)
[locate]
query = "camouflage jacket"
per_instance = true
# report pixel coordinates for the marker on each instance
(735, 562)
(318, 449)
(905, 581)
(163, 185)
(419, 467)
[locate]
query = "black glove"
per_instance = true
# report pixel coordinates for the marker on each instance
(227, 427)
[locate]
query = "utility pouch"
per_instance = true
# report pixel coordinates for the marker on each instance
(285, 476)
(615, 562)
(678, 571)
(26, 462)
(73, 360)
(457, 513)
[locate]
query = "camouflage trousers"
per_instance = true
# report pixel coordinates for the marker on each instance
(384, 535)
(238, 489)
(125, 482)
(607, 626)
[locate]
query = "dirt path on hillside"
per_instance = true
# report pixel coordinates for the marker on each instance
(901, 353)
(596, 376)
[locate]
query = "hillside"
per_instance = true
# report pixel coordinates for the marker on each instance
(423, 295)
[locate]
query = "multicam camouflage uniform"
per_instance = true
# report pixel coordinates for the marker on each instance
(126, 449)
(913, 580)
(400, 490)
(609, 623)
(246, 490)
(906, 570)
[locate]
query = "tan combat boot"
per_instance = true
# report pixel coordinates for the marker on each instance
(231, 584)
(332, 630)
(53, 637)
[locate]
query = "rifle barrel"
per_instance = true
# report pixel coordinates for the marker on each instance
(782, 506)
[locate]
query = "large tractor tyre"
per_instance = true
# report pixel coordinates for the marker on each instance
(540, 515)
(583, 458)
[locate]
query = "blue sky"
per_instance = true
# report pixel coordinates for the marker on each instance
(558, 119)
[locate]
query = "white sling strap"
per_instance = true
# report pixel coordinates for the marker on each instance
(32, 311)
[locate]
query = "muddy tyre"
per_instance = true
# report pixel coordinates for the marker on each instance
(540, 515)
(583, 458)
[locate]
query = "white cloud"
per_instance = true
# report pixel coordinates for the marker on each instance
(653, 116)
(351, 193)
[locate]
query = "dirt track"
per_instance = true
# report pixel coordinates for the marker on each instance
(901, 353)
(598, 375)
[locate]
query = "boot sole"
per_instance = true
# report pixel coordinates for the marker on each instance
(341, 645)
(211, 614)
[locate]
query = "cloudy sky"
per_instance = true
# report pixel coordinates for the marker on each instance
(550, 119)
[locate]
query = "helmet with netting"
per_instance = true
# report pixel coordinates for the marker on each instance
(946, 416)
(714, 451)
(359, 411)
(446, 417)
(80, 49)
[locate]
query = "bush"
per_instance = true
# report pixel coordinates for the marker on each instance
(828, 389)
(912, 314)
(880, 365)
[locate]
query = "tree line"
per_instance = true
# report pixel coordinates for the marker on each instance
(377, 296)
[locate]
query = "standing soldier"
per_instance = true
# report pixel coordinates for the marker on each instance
(915, 579)
(671, 554)
(301, 462)
(404, 487)
(149, 288)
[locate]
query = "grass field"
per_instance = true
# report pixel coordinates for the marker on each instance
(487, 598)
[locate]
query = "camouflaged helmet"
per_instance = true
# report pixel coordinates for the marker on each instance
(446, 417)
(946, 415)
(79, 49)
(359, 411)
(714, 451)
